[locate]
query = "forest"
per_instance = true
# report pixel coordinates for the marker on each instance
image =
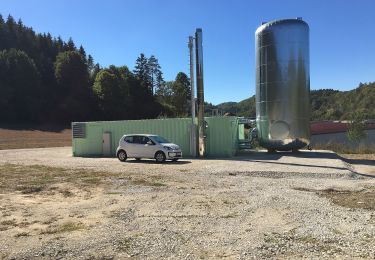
(44, 79)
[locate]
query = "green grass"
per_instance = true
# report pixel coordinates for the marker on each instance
(346, 149)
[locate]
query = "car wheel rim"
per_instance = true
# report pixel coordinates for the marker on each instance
(122, 156)
(159, 157)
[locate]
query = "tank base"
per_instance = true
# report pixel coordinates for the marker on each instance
(277, 145)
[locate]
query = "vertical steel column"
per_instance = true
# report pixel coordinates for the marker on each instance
(193, 137)
(200, 91)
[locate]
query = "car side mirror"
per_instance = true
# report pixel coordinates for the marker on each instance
(150, 143)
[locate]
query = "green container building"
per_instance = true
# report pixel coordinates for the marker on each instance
(101, 138)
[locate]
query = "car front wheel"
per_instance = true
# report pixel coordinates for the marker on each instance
(160, 157)
(122, 156)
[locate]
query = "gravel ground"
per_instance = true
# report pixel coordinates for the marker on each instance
(253, 206)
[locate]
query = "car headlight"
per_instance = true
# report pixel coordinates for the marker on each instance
(167, 147)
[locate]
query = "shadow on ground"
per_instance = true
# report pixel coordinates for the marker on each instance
(277, 155)
(154, 162)
(359, 161)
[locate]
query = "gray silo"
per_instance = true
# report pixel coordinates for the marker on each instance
(283, 84)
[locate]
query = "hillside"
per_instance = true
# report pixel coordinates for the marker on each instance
(326, 104)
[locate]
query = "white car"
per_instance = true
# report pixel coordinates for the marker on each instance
(147, 146)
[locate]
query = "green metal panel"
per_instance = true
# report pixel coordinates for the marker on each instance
(91, 145)
(221, 132)
(221, 136)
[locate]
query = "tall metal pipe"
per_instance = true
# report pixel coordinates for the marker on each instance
(192, 85)
(193, 138)
(200, 90)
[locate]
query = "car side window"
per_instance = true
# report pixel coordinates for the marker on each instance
(137, 139)
(146, 140)
(129, 139)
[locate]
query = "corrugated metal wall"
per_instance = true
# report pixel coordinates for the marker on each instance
(222, 134)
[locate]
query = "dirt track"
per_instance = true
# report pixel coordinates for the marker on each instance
(56, 206)
(34, 138)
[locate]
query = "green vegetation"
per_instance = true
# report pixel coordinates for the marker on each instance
(47, 80)
(65, 227)
(244, 108)
(326, 104)
(345, 148)
(357, 199)
(356, 128)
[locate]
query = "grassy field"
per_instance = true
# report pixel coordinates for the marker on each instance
(18, 138)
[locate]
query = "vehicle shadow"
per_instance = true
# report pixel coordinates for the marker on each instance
(359, 161)
(154, 162)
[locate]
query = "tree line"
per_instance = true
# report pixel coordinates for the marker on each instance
(326, 104)
(44, 79)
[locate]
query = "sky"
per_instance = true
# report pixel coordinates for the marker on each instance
(342, 36)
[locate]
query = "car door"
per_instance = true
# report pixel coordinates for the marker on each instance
(143, 149)
(129, 145)
(138, 146)
(149, 147)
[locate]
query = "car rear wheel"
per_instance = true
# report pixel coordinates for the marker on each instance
(122, 156)
(160, 157)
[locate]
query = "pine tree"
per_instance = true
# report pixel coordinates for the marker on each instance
(70, 46)
(156, 75)
(142, 72)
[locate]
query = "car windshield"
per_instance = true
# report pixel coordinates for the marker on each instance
(159, 139)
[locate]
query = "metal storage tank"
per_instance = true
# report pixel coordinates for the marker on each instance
(283, 84)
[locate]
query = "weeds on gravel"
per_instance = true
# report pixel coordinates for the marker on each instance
(10, 222)
(49, 221)
(362, 199)
(30, 189)
(66, 227)
(66, 193)
(125, 244)
(37, 178)
(143, 182)
(291, 244)
(230, 216)
(22, 234)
